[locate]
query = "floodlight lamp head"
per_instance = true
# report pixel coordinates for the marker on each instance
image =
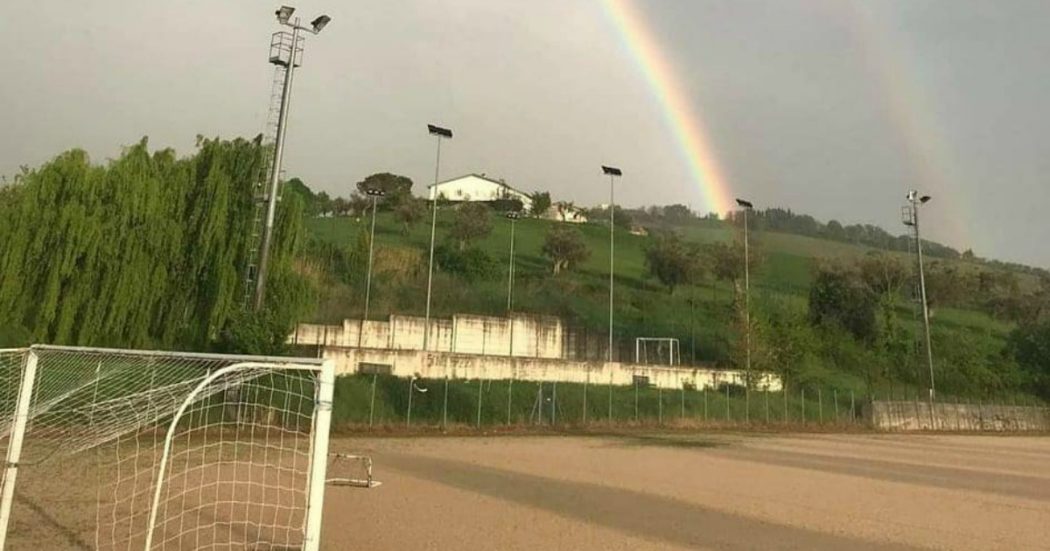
(924, 199)
(438, 131)
(912, 194)
(375, 192)
(513, 215)
(320, 23)
(611, 171)
(745, 204)
(284, 13)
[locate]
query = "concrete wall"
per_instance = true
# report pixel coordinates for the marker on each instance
(529, 336)
(918, 415)
(415, 363)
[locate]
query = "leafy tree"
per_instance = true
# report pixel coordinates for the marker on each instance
(409, 211)
(472, 221)
(621, 219)
(726, 260)
(358, 204)
(147, 250)
(677, 213)
(541, 203)
(564, 247)
(839, 298)
(1029, 345)
(883, 274)
(340, 206)
(673, 261)
(393, 185)
(322, 204)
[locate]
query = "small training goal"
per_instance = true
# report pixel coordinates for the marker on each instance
(121, 449)
(657, 351)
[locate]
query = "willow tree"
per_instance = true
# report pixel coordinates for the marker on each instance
(146, 250)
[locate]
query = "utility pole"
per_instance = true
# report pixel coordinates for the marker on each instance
(280, 44)
(910, 217)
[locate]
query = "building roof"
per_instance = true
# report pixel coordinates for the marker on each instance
(481, 177)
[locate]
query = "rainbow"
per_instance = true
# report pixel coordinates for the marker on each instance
(684, 122)
(913, 118)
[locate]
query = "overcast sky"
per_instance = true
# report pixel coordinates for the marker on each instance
(823, 106)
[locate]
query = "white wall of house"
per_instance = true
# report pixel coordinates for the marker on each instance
(474, 187)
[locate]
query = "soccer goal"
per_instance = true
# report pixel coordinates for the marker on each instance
(121, 449)
(657, 351)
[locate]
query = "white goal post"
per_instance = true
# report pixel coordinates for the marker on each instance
(657, 351)
(176, 450)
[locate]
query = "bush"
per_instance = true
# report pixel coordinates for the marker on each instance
(471, 264)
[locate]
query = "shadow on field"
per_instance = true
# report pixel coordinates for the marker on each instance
(653, 517)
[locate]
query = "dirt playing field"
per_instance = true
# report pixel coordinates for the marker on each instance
(697, 492)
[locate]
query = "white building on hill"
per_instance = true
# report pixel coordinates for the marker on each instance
(478, 187)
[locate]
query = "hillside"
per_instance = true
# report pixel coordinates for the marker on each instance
(704, 317)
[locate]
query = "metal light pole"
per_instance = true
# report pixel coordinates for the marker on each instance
(513, 216)
(278, 48)
(746, 206)
(612, 172)
(375, 194)
(910, 217)
(439, 133)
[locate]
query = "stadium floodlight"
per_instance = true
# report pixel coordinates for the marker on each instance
(375, 194)
(278, 47)
(911, 218)
(747, 205)
(611, 171)
(284, 13)
(440, 133)
(320, 23)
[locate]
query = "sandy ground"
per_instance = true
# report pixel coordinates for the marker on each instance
(697, 492)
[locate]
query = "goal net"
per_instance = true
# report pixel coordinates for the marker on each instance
(119, 449)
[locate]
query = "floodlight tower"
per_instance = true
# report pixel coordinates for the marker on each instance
(375, 194)
(513, 216)
(612, 173)
(441, 134)
(910, 217)
(745, 207)
(285, 51)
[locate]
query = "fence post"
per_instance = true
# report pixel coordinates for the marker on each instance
(586, 384)
(444, 406)
(635, 399)
(659, 405)
(747, 400)
(803, 405)
(820, 406)
(372, 402)
(766, 395)
(554, 403)
(408, 414)
(727, 402)
(835, 397)
(14, 447)
(682, 416)
(852, 407)
(510, 387)
(784, 391)
(481, 386)
(705, 404)
(610, 399)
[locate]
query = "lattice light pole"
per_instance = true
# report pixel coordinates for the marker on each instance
(286, 51)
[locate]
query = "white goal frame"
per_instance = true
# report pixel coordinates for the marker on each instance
(316, 464)
(675, 349)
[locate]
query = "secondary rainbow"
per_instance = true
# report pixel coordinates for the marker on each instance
(684, 122)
